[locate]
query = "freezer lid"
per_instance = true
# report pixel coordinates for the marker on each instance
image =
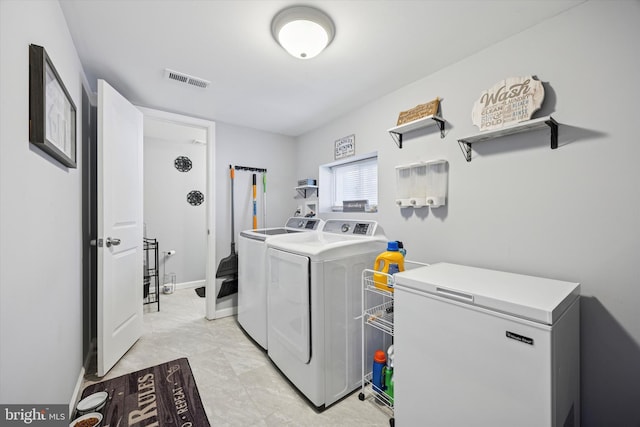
(534, 298)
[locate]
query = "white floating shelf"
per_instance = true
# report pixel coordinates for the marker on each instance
(302, 189)
(526, 126)
(432, 120)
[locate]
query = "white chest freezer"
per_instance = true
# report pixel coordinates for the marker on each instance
(476, 347)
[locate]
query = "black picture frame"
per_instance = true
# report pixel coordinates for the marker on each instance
(52, 113)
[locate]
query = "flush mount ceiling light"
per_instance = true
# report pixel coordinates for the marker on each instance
(302, 31)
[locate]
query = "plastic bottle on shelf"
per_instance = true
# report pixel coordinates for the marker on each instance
(379, 364)
(391, 256)
(401, 248)
(388, 375)
(393, 269)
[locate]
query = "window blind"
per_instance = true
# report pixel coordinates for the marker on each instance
(356, 181)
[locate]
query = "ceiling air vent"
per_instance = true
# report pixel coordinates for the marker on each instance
(186, 78)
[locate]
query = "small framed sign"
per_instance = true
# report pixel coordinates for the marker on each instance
(52, 113)
(345, 147)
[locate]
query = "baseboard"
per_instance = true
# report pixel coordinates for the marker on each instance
(77, 391)
(226, 312)
(191, 285)
(89, 360)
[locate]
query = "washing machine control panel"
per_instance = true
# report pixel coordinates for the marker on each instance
(304, 223)
(352, 227)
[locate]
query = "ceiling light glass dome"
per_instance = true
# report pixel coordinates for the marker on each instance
(302, 31)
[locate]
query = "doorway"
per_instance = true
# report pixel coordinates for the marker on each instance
(196, 137)
(89, 171)
(175, 179)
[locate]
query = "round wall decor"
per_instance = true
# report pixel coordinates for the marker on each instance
(195, 198)
(183, 163)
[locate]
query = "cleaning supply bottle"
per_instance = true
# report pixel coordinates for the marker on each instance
(379, 363)
(393, 269)
(391, 256)
(388, 375)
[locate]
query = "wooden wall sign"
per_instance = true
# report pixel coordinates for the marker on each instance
(418, 112)
(52, 113)
(345, 147)
(509, 101)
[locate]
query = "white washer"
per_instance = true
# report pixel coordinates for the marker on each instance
(314, 295)
(252, 272)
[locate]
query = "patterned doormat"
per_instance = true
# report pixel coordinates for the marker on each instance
(162, 395)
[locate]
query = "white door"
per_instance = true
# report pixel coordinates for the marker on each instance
(120, 181)
(289, 311)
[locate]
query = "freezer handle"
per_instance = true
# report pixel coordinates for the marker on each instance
(449, 293)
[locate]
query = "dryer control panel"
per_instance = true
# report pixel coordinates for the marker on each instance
(352, 227)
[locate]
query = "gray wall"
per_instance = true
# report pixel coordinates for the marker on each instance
(518, 206)
(40, 213)
(569, 214)
(168, 216)
(40, 220)
(246, 147)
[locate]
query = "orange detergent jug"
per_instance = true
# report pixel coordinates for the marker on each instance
(391, 256)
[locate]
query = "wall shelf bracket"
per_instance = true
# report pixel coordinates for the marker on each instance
(397, 138)
(302, 190)
(466, 149)
(398, 131)
(553, 125)
(440, 123)
(529, 125)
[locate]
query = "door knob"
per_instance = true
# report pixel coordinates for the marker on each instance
(112, 242)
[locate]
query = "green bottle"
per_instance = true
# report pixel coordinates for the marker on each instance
(388, 382)
(388, 374)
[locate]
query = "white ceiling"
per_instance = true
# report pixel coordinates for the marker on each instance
(178, 133)
(380, 46)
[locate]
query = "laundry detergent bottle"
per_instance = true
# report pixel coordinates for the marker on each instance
(391, 256)
(379, 364)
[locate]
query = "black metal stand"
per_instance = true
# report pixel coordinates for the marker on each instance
(151, 281)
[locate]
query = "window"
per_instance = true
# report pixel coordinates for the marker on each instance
(355, 180)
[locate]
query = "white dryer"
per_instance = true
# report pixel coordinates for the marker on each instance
(252, 273)
(314, 284)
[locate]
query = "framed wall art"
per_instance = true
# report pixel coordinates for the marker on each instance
(345, 147)
(52, 113)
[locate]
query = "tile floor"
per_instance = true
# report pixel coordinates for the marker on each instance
(238, 383)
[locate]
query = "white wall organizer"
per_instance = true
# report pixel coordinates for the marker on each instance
(404, 185)
(437, 183)
(422, 184)
(419, 185)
